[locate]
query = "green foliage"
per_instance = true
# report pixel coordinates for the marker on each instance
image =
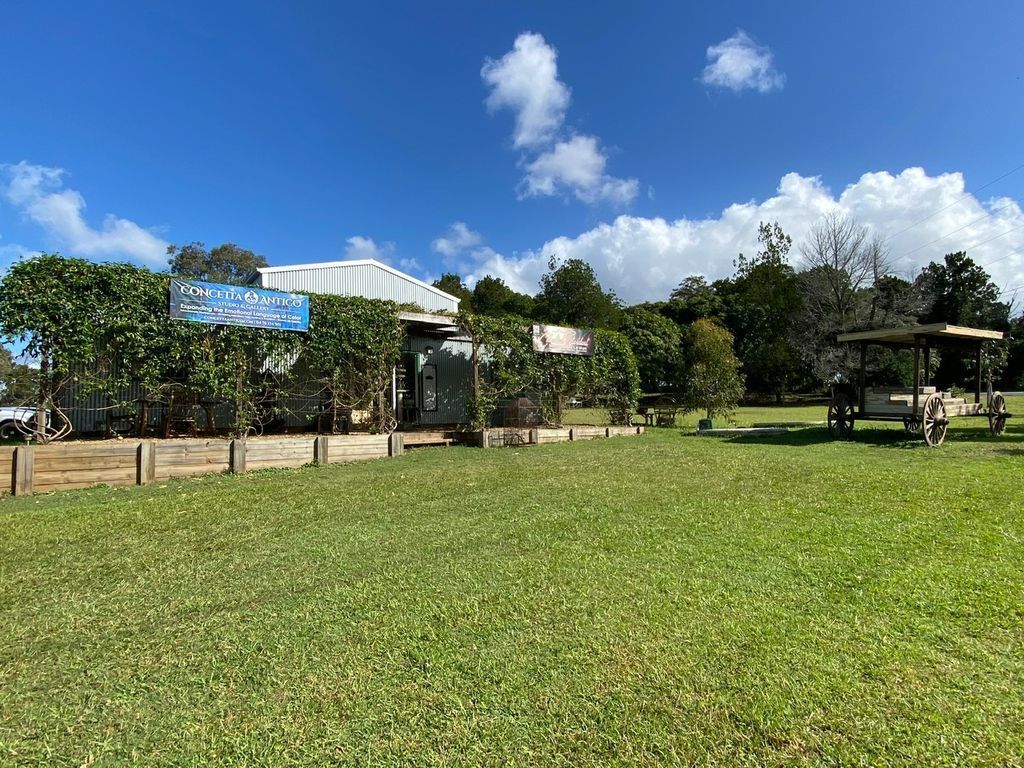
(714, 384)
(227, 263)
(961, 293)
(352, 345)
(492, 297)
(452, 284)
(503, 349)
(18, 384)
(510, 367)
(657, 345)
(693, 299)
(763, 301)
(106, 326)
(614, 376)
(571, 295)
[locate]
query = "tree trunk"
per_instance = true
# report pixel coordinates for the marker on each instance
(44, 394)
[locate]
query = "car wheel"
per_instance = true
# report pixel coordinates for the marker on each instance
(8, 431)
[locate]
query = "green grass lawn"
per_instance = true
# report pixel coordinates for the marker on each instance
(666, 599)
(743, 417)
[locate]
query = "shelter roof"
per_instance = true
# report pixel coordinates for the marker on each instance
(932, 331)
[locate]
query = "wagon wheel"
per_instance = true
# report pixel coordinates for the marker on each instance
(840, 416)
(997, 414)
(912, 424)
(934, 420)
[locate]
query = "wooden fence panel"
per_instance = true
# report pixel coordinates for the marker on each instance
(63, 467)
(344, 448)
(6, 469)
(588, 433)
(183, 458)
(552, 435)
(283, 453)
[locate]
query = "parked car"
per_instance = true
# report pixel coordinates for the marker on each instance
(17, 422)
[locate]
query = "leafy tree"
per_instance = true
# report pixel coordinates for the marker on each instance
(504, 348)
(492, 297)
(571, 295)
(763, 302)
(657, 345)
(1014, 375)
(693, 298)
(714, 383)
(504, 362)
(961, 293)
(452, 284)
(17, 380)
(227, 263)
(842, 264)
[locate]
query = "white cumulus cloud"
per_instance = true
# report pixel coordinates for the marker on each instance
(525, 80)
(576, 166)
(458, 238)
(38, 192)
(739, 63)
(359, 247)
(643, 259)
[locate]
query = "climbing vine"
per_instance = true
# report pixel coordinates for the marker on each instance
(510, 366)
(106, 327)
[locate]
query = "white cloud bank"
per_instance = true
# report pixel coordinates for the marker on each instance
(643, 259)
(38, 192)
(739, 63)
(525, 80)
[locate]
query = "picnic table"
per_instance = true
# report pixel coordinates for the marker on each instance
(659, 410)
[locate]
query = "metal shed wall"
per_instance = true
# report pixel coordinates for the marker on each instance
(361, 278)
(454, 361)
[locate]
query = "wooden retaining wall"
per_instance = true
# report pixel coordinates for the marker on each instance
(496, 438)
(6, 469)
(60, 467)
(27, 469)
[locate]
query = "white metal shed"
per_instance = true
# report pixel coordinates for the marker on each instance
(368, 278)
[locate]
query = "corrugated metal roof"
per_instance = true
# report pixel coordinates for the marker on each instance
(368, 278)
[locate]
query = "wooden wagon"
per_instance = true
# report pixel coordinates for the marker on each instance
(921, 408)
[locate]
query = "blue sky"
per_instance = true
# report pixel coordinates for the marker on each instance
(648, 139)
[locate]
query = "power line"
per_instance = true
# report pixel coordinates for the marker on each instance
(965, 226)
(987, 264)
(958, 200)
(973, 245)
(1011, 289)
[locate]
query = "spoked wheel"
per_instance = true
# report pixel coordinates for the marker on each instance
(997, 414)
(934, 420)
(840, 416)
(912, 424)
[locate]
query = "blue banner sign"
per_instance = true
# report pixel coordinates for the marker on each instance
(238, 305)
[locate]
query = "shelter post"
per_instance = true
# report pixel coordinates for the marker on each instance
(862, 376)
(977, 373)
(917, 373)
(927, 365)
